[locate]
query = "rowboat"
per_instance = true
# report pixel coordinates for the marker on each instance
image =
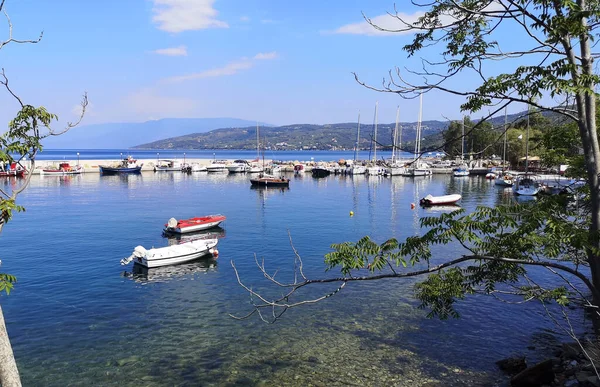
(171, 255)
(193, 224)
(430, 200)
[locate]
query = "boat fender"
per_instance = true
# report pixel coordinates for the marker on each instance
(172, 223)
(412, 206)
(214, 252)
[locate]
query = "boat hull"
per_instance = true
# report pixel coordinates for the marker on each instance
(270, 182)
(105, 170)
(194, 224)
(59, 172)
(12, 173)
(445, 200)
(174, 255)
(320, 172)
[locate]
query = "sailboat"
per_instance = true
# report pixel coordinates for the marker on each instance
(255, 168)
(373, 169)
(462, 170)
(418, 167)
(264, 180)
(505, 179)
(357, 169)
(396, 168)
(526, 185)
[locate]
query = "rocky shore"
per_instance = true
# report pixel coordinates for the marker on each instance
(570, 367)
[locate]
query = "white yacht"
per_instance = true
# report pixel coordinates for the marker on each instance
(217, 166)
(238, 166)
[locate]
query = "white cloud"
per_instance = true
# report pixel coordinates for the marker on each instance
(186, 15)
(149, 102)
(266, 55)
(229, 69)
(397, 23)
(172, 51)
(384, 21)
(245, 19)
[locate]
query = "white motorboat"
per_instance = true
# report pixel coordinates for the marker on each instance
(357, 170)
(461, 171)
(198, 168)
(238, 166)
(444, 200)
(256, 169)
(505, 180)
(217, 166)
(171, 255)
(526, 185)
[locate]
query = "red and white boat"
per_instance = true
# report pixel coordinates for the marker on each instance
(193, 224)
(11, 170)
(63, 169)
(430, 200)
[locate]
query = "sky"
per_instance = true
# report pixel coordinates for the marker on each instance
(279, 62)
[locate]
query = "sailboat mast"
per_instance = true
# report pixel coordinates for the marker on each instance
(375, 134)
(257, 143)
(462, 143)
(505, 131)
(395, 136)
(357, 139)
(418, 137)
(527, 143)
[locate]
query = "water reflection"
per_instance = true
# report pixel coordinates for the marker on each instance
(167, 273)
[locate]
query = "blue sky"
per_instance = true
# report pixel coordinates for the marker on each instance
(280, 62)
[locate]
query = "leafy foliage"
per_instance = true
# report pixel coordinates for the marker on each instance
(499, 242)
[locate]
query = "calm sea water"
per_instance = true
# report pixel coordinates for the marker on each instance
(77, 317)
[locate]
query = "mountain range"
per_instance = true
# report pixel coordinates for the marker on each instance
(127, 135)
(233, 133)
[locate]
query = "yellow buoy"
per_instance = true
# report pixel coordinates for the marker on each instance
(351, 213)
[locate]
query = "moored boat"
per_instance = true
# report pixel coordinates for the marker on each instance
(168, 165)
(443, 200)
(238, 166)
(11, 170)
(128, 165)
(217, 166)
(526, 185)
(193, 224)
(461, 171)
(320, 172)
(62, 169)
(171, 255)
(270, 181)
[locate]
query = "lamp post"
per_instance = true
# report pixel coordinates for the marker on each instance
(214, 157)
(121, 156)
(77, 158)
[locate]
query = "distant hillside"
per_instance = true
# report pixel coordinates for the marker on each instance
(126, 135)
(298, 136)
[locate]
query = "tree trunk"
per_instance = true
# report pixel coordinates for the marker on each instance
(9, 374)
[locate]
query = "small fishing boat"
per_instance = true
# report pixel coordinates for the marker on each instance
(63, 169)
(11, 170)
(128, 165)
(444, 200)
(270, 181)
(505, 180)
(320, 172)
(491, 175)
(168, 165)
(171, 255)
(193, 224)
(195, 167)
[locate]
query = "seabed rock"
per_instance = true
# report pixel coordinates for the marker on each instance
(512, 365)
(537, 375)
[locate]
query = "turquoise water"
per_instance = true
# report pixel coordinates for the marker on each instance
(77, 317)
